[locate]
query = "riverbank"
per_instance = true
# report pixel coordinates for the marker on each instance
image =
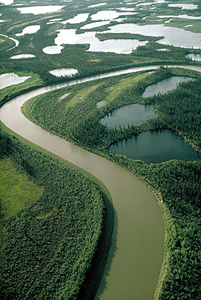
(38, 235)
(138, 216)
(174, 210)
(135, 169)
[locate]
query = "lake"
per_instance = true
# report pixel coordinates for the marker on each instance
(77, 19)
(171, 35)
(184, 6)
(155, 147)
(64, 72)
(11, 79)
(128, 115)
(37, 10)
(164, 86)
(123, 46)
(29, 30)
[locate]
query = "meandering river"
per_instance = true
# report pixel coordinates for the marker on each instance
(132, 271)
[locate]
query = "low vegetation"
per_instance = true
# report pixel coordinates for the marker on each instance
(50, 221)
(5, 43)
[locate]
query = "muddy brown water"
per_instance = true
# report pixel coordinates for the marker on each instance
(133, 268)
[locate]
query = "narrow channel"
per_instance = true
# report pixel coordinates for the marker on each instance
(132, 271)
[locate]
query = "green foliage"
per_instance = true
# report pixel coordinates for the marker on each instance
(9, 92)
(178, 182)
(179, 111)
(5, 43)
(47, 247)
(5, 144)
(16, 190)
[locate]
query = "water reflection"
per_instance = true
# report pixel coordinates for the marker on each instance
(164, 86)
(155, 147)
(29, 30)
(194, 57)
(69, 37)
(172, 35)
(109, 15)
(100, 104)
(53, 49)
(21, 56)
(63, 72)
(37, 10)
(128, 115)
(77, 19)
(6, 2)
(9, 79)
(183, 6)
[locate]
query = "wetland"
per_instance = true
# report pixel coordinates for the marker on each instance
(94, 41)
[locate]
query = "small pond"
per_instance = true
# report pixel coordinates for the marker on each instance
(56, 49)
(162, 50)
(21, 56)
(184, 6)
(109, 15)
(194, 57)
(29, 30)
(63, 72)
(164, 86)
(100, 104)
(11, 79)
(155, 147)
(132, 114)
(126, 9)
(77, 19)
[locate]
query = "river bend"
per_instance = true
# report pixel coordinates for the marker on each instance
(135, 265)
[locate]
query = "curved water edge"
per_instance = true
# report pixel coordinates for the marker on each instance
(135, 266)
(12, 39)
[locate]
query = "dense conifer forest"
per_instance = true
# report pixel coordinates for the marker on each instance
(177, 182)
(48, 238)
(56, 223)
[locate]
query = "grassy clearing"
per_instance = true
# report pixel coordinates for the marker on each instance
(81, 95)
(116, 89)
(47, 249)
(17, 192)
(5, 43)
